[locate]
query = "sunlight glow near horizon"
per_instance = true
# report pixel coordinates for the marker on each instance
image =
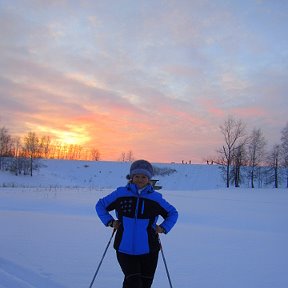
(69, 135)
(72, 137)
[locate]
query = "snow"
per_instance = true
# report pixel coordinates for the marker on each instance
(57, 173)
(51, 237)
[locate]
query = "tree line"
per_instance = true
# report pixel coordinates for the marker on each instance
(245, 157)
(21, 156)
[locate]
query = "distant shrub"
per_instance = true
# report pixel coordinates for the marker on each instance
(164, 171)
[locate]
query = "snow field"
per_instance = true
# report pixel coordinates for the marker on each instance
(224, 238)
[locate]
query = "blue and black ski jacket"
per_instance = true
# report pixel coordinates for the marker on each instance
(138, 212)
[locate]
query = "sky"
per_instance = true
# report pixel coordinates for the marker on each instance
(153, 77)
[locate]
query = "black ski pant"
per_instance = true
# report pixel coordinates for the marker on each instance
(139, 270)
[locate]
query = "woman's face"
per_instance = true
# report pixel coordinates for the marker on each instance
(140, 180)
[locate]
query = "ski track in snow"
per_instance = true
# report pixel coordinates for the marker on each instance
(13, 275)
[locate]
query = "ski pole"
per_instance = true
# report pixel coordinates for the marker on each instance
(165, 263)
(91, 284)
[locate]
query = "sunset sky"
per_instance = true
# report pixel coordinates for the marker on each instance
(157, 77)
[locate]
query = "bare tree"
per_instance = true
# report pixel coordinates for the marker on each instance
(73, 152)
(238, 160)
(233, 130)
(284, 147)
(129, 156)
(44, 146)
(274, 165)
(31, 148)
(16, 153)
(122, 157)
(95, 154)
(256, 153)
(5, 145)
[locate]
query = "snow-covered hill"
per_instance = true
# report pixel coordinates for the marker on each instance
(61, 173)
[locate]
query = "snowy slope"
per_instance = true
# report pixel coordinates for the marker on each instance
(104, 174)
(51, 237)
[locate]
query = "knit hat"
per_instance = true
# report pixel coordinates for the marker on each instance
(141, 167)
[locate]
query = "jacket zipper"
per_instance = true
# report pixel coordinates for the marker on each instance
(142, 207)
(135, 222)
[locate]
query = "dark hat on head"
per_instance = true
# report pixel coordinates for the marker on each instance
(141, 167)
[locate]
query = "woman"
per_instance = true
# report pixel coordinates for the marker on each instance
(137, 208)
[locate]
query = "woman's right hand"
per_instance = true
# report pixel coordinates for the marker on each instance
(116, 224)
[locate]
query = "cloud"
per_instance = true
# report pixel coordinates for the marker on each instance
(155, 77)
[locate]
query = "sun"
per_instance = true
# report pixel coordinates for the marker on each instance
(70, 138)
(74, 135)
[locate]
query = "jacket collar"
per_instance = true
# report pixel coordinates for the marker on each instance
(134, 189)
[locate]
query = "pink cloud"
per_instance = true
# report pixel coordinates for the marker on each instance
(248, 112)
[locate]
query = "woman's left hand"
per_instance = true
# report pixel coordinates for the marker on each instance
(116, 224)
(159, 229)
